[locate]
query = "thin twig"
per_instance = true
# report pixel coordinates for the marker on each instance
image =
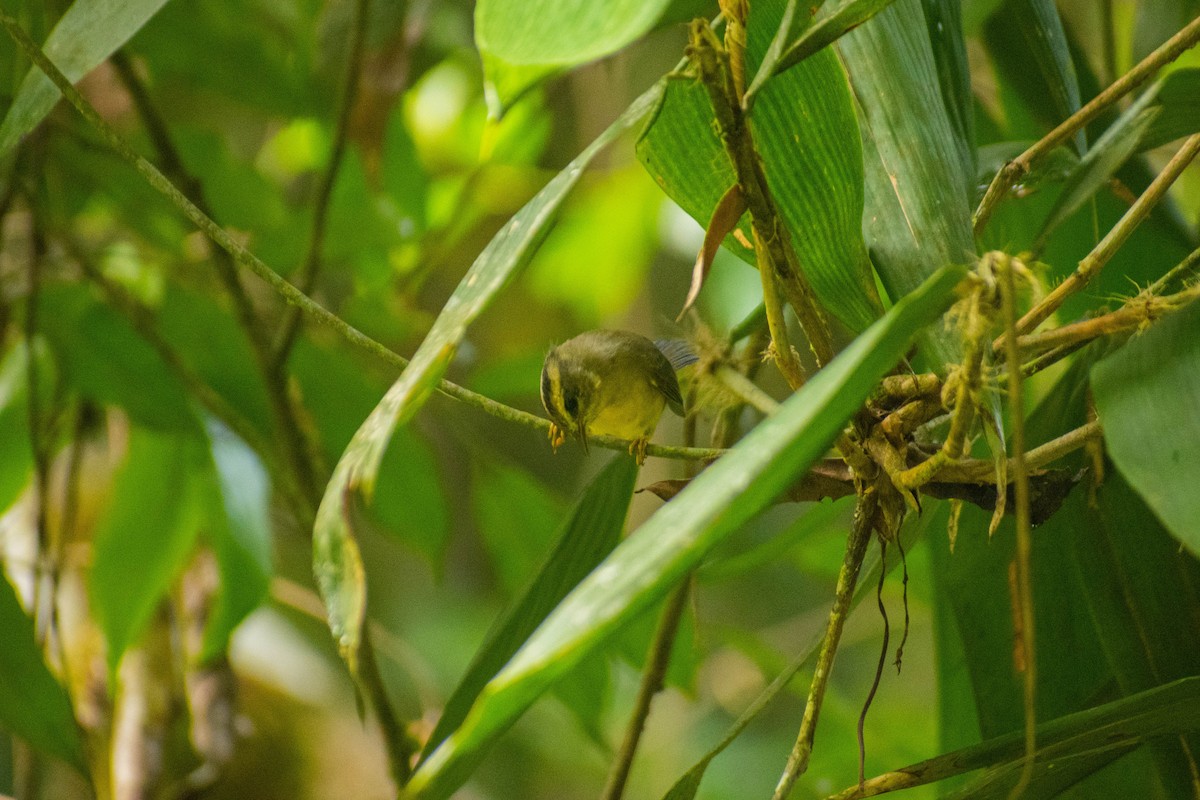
(1094, 261)
(1012, 171)
(653, 677)
(290, 325)
(883, 651)
(856, 548)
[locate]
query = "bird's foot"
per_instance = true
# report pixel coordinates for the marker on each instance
(556, 437)
(637, 449)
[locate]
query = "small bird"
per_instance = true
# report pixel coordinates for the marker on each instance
(612, 383)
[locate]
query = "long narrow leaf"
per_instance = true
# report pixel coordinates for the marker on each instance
(1115, 726)
(833, 20)
(337, 562)
(674, 540)
(585, 538)
(88, 33)
(33, 705)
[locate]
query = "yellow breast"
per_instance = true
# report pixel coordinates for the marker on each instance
(629, 414)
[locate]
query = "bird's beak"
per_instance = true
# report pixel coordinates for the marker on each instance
(581, 432)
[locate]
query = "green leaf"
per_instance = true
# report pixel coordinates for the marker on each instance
(1097, 734)
(17, 463)
(337, 562)
(146, 534)
(676, 538)
(524, 41)
(88, 33)
(1099, 164)
(34, 706)
(918, 178)
(1145, 393)
(240, 536)
(1179, 99)
(104, 359)
(798, 37)
(585, 538)
(943, 20)
(806, 132)
(1025, 31)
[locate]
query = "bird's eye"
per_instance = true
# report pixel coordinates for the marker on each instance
(571, 404)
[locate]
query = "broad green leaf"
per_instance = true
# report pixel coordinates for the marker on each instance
(918, 181)
(797, 36)
(16, 464)
(104, 359)
(88, 33)
(34, 706)
(1145, 393)
(676, 538)
(146, 534)
(585, 538)
(1142, 591)
(805, 130)
(1095, 734)
(337, 562)
(524, 41)
(240, 537)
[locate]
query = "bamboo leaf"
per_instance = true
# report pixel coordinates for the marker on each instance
(337, 562)
(522, 42)
(1144, 394)
(146, 534)
(240, 532)
(805, 131)
(89, 32)
(918, 181)
(586, 536)
(34, 706)
(1097, 734)
(798, 37)
(673, 541)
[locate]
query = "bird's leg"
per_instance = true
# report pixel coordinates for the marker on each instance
(637, 449)
(556, 437)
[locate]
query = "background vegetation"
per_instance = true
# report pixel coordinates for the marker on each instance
(188, 511)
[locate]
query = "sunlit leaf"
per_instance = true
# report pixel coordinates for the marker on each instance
(86, 34)
(524, 41)
(16, 465)
(1144, 393)
(674, 540)
(241, 536)
(33, 704)
(336, 559)
(146, 534)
